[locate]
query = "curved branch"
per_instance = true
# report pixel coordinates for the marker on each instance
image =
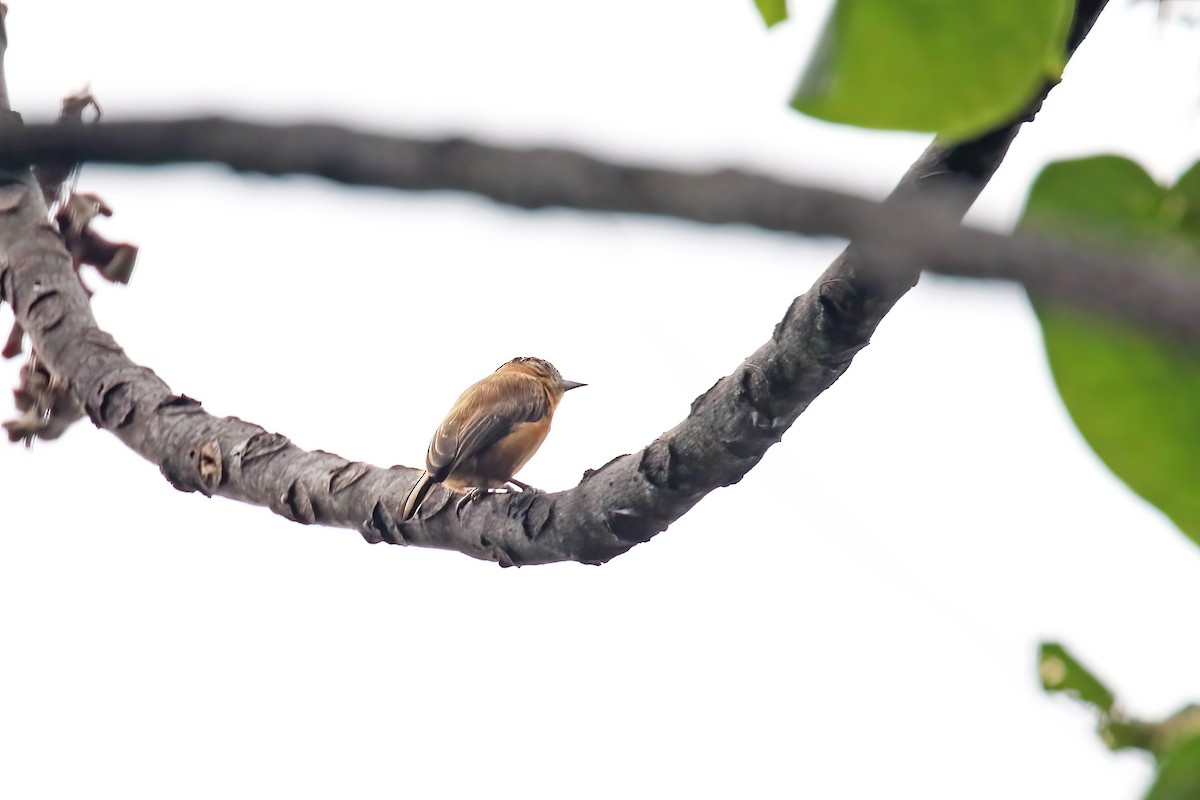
(625, 502)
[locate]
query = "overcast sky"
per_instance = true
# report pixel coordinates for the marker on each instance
(857, 618)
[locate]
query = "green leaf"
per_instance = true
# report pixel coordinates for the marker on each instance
(953, 67)
(1107, 196)
(773, 11)
(1179, 773)
(1060, 672)
(1135, 398)
(1185, 201)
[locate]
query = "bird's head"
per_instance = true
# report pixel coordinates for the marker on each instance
(544, 371)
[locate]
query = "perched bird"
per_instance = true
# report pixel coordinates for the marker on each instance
(494, 427)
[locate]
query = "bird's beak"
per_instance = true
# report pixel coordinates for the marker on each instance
(569, 385)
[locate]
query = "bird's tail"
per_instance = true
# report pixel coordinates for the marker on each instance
(415, 496)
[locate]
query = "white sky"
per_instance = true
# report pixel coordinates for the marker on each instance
(857, 618)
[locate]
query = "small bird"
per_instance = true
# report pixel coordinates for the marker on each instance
(494, 427)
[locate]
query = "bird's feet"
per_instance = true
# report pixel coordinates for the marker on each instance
(469, 496)
(473, 494)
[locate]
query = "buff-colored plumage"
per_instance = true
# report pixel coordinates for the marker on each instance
(493, 429)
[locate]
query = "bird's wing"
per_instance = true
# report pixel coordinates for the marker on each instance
(483, 415)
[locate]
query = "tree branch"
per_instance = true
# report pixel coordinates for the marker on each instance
(5, 105)
(917, 228)
(626, 501)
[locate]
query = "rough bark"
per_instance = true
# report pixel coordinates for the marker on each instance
(625, 502)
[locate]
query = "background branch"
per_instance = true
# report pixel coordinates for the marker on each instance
(917, 228)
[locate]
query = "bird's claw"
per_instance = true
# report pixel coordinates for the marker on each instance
(473, 494)
(469, 496)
